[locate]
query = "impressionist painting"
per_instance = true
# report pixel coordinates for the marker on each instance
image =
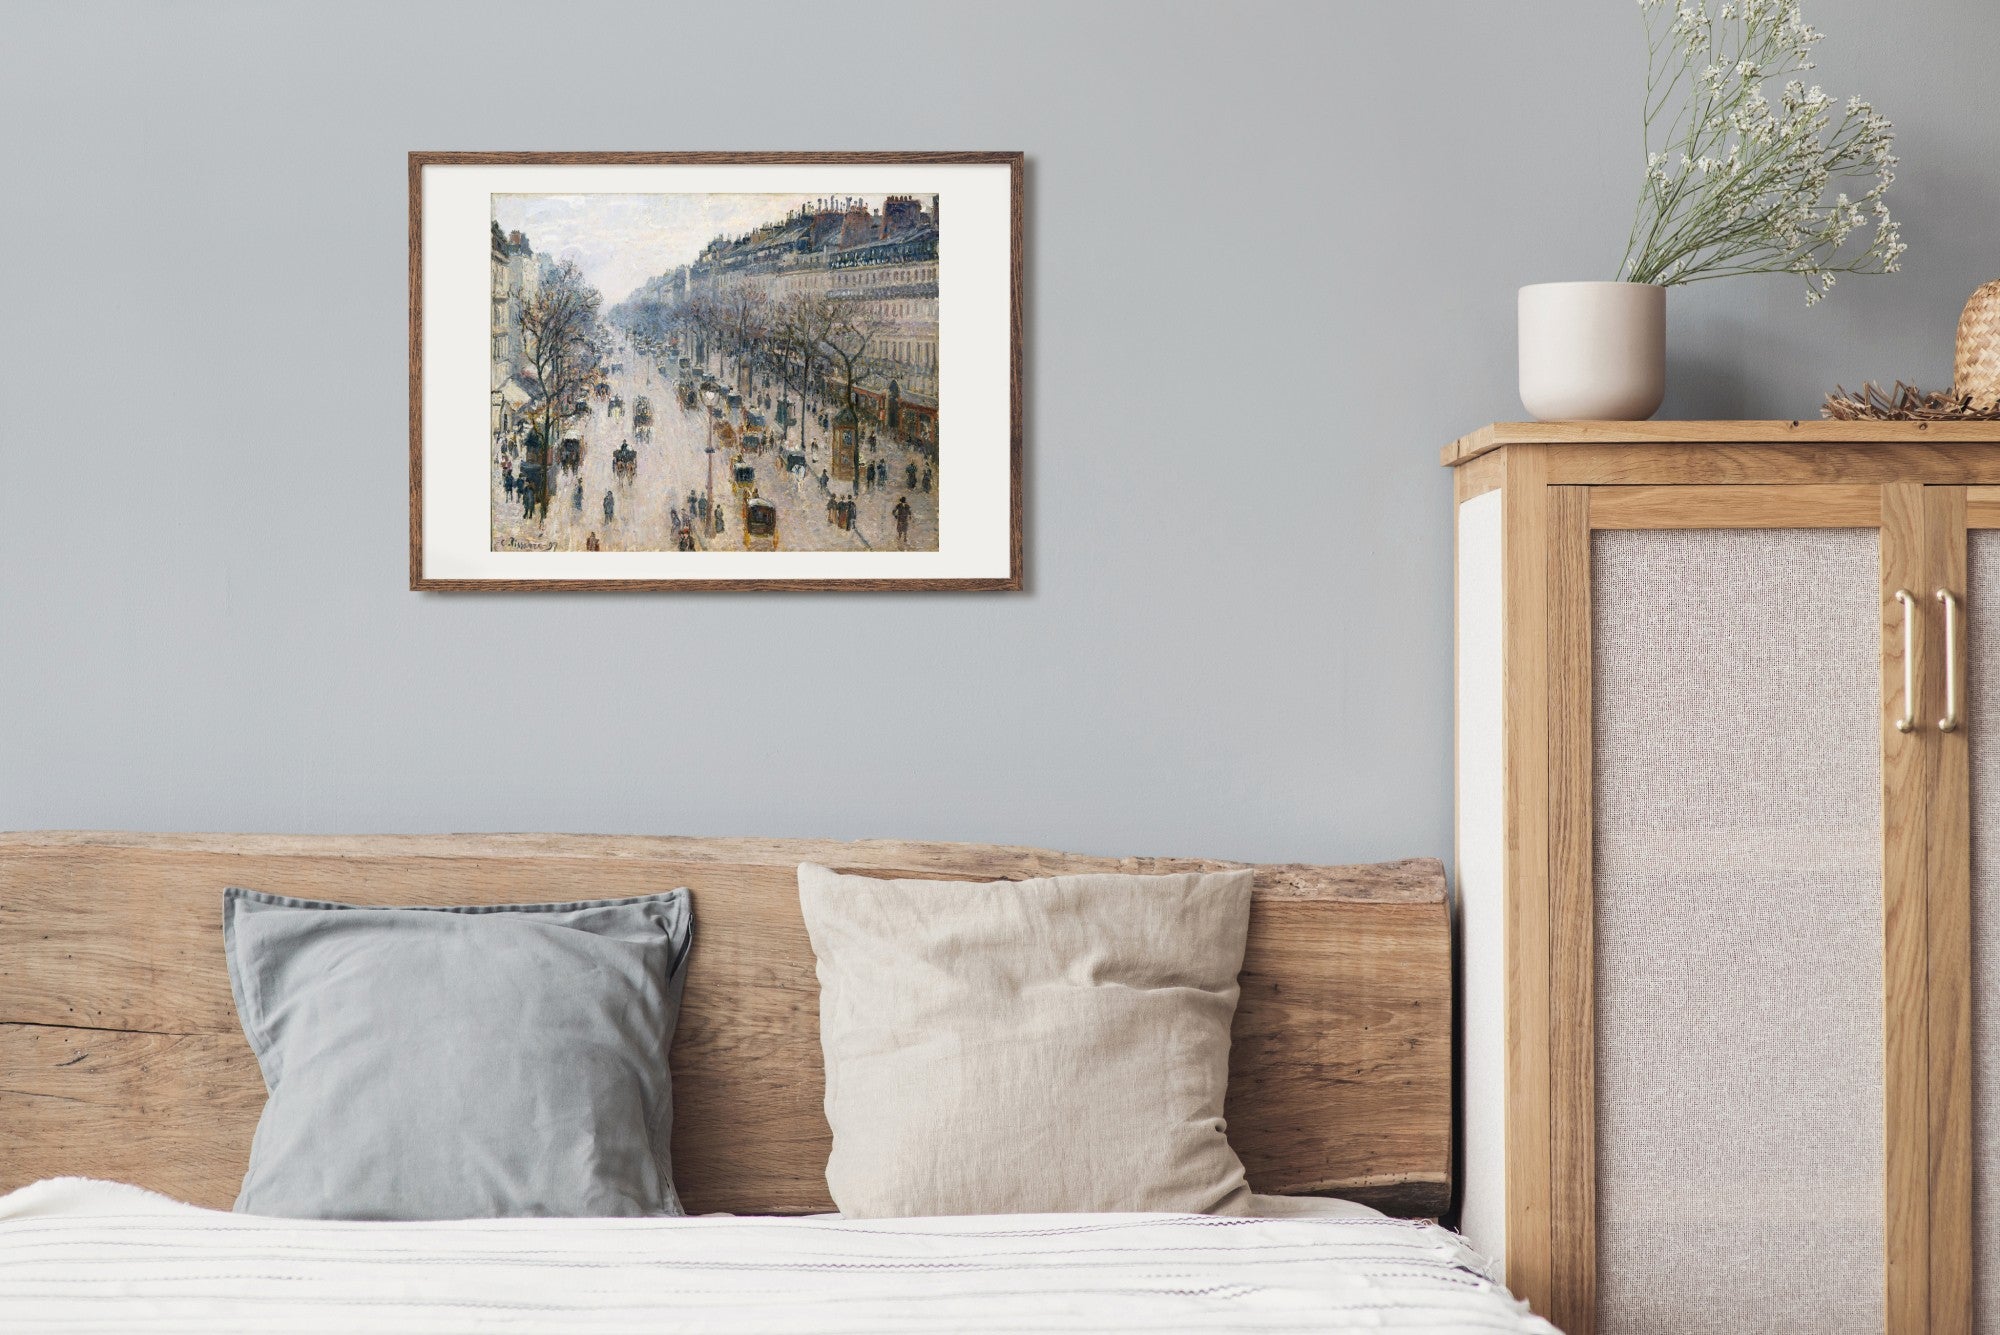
(714, 372)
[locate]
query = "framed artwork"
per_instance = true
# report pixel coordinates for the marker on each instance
(715, 371)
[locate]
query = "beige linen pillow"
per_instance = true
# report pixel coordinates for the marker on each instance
(1059, 1044)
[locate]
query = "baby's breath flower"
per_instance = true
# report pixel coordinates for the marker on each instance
(1739, 185)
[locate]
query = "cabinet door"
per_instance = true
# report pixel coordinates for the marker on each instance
(1965, 917)
(1752, 898)
(1958, 718)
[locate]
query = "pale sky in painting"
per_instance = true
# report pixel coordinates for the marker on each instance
(620, 241)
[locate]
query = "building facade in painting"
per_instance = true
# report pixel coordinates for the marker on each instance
(882, 263)
(514, 271)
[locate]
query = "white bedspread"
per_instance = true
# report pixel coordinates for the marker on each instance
(78, 1255)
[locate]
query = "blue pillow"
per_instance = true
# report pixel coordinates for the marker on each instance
(460, 1063)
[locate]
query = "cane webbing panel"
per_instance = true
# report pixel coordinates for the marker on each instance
(1737, 789)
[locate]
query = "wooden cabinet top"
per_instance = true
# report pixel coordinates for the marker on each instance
(1492, 437)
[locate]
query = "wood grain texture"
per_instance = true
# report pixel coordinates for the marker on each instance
(1767, 465)
(1770, 465)
(1499, 434)
(416, 358)
(1572, 920)
(1016, 164)
(1525, 731)
(1982, 507)
(1947, 784)
(1661, 460)
(1906, 1105)
(1478, 477)
(1779, 506)
(121, 1057)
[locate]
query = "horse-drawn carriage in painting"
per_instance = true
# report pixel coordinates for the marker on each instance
(760, 525)
(642, 417)
(616, 408)
(625, 461)
(570, 453)
(743, 477)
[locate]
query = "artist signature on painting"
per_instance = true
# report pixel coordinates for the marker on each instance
(513, 544)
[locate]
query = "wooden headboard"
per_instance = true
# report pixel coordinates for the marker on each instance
(121, 1057)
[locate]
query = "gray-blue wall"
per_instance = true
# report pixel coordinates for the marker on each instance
(1272, 258)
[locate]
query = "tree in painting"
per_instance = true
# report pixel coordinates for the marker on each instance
(559, 343)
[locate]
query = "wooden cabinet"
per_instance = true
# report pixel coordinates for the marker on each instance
(1729, 872)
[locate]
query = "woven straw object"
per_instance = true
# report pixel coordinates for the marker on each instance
(1976, 374)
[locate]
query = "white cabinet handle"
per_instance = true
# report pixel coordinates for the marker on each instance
(1908, 722)
(1949, 722)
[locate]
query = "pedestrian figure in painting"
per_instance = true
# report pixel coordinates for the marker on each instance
(911, 474)
(576, 500)
(609, 506)
(901, 514)
(927, 482)
(590, 544)
(530, 487)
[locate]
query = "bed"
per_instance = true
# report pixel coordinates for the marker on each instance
(128, 1098)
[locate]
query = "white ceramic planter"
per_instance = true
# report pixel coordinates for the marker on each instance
(1593, 350)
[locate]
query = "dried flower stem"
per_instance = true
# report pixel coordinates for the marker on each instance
(1747, 193)
(1904, 403)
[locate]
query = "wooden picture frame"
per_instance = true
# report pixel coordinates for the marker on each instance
(860, 436)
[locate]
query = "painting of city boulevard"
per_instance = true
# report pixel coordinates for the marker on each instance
(711, 372)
